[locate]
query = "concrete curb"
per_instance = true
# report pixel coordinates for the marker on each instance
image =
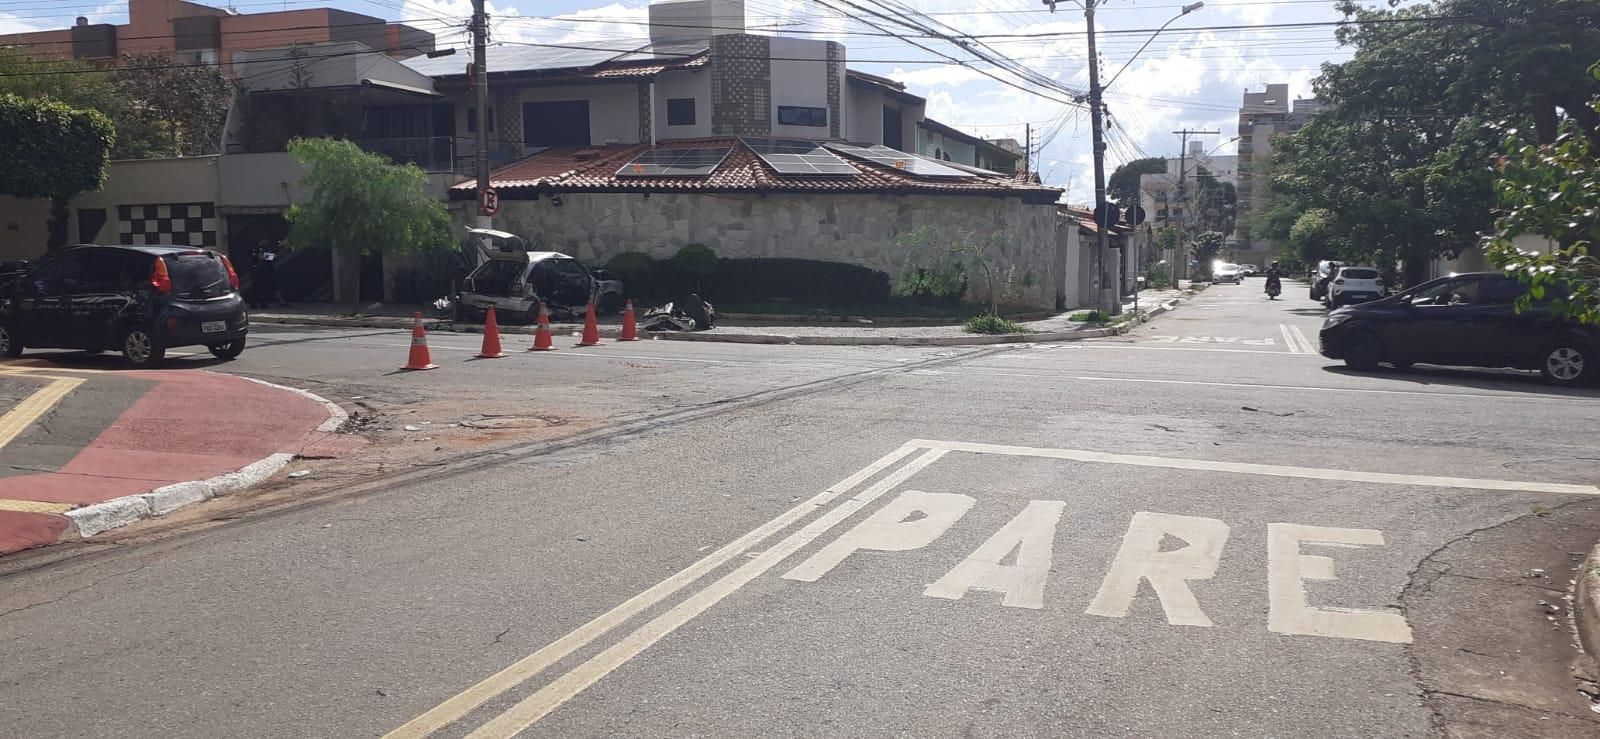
(1586, 606)
(745, 338)
(99, 518)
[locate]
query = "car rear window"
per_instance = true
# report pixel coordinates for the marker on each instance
(1360, 274)
(197, 275)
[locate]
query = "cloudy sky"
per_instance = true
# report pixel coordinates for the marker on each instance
(1189, 77)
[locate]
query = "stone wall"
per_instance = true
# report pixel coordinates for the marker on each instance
(857, 229)
(741, 85)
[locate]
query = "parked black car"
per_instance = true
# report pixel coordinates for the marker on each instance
(1468, 320)
(139, 300)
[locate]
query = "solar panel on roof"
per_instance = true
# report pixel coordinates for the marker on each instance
(675, 162)
(797, 156)
(910, 163)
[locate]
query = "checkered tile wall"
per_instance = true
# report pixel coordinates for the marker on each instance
(181, 224)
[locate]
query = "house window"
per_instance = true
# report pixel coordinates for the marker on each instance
(556, 123)
(795, 115)
(680, 112)
(472, 119)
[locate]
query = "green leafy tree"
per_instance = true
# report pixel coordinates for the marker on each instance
(1207, 245)
(1312, 239)
(53, 151)
(186, 103)
(1123, 185)
(1553, 192)
(1398, 154)
(363, 204)
(944, 258)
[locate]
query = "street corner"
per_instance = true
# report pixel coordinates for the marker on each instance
(83, 451)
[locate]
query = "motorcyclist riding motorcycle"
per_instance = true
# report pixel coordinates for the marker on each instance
(1274, 282)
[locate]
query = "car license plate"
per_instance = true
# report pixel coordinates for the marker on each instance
(214, 327)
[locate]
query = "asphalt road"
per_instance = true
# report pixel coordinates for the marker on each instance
(1201, 528)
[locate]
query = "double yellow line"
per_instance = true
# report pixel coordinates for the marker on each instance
(25, 414)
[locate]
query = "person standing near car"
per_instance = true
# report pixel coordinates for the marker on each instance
(264, 276)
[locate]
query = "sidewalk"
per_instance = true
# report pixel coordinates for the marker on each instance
(86, 449)
(741, 330)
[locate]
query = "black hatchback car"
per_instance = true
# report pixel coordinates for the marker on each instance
(1465, 320)
(139, 300)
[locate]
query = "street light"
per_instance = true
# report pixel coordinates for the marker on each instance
(1187, 9)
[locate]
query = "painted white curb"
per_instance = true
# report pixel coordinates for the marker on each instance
(118, 512)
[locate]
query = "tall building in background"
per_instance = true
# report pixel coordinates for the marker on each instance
(1167, 204)
(200, 34)
(1262, 117)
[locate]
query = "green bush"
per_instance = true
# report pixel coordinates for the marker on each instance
(1158, 277)
(944, 283)
(1088, 316)
(636, 269)
(989, 323)
(695, 263)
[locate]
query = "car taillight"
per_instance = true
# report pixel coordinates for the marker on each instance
(159, 279)
(1339, 281)
(233, 277)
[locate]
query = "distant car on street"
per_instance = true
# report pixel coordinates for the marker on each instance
(1251, 270)
(139, 300)
(1466, 320)
(1228, 273)
(1354, 285)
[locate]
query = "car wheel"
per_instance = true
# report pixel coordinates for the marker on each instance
(1569, 363)
(10, 346)
(141, 348)
(1362, 352)
(230, 350)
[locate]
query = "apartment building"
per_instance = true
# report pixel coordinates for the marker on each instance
(1262, 117)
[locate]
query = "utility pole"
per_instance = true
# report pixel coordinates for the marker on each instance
(1110, 296)
(1183, 192)
(480, 90)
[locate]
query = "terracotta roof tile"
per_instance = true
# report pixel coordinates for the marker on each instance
(594, 169)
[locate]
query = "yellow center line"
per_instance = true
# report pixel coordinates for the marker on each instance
(34, 506)
(18, 419)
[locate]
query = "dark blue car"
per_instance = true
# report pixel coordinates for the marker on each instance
(1463, 320)
(138, 300)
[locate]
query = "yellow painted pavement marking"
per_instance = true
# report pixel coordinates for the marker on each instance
(18, 419)
(34, 506)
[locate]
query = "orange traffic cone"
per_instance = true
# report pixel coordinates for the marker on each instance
(630, 330)
(491, 338)
(541, 337)
(591, 330)
(419, 359)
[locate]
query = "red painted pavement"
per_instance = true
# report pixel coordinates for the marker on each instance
(190, 426)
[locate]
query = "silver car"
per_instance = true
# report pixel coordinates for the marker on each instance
(514, 280)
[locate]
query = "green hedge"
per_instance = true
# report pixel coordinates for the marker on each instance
(749, 280)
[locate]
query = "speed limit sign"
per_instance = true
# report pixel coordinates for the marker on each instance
(488, 202)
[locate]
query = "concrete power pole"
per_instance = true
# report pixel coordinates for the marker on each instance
(480, 91)
(1110, 297)
(1183, 194)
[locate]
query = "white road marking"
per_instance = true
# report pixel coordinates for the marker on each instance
(1288, 339)
(1145, 347)
(1272, 470)
(890, 529)
(520, 671)
(562, 689)
(1287, 571)
(1519, 397)
(1141, 558)
(1306, 347)
(1032, 536)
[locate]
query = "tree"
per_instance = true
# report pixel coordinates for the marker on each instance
(950, 257)
(1215, 204)
(1397, 156)
(1206, 246)
(187, 103)
(1553, 192)
(1312, 238)
(54, 151)
(1123, 185)
(160, 107)
(363, 204)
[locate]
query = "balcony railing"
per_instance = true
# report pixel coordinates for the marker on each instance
(431, 153)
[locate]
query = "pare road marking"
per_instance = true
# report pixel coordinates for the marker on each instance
(1237, 340)
(913, 519)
